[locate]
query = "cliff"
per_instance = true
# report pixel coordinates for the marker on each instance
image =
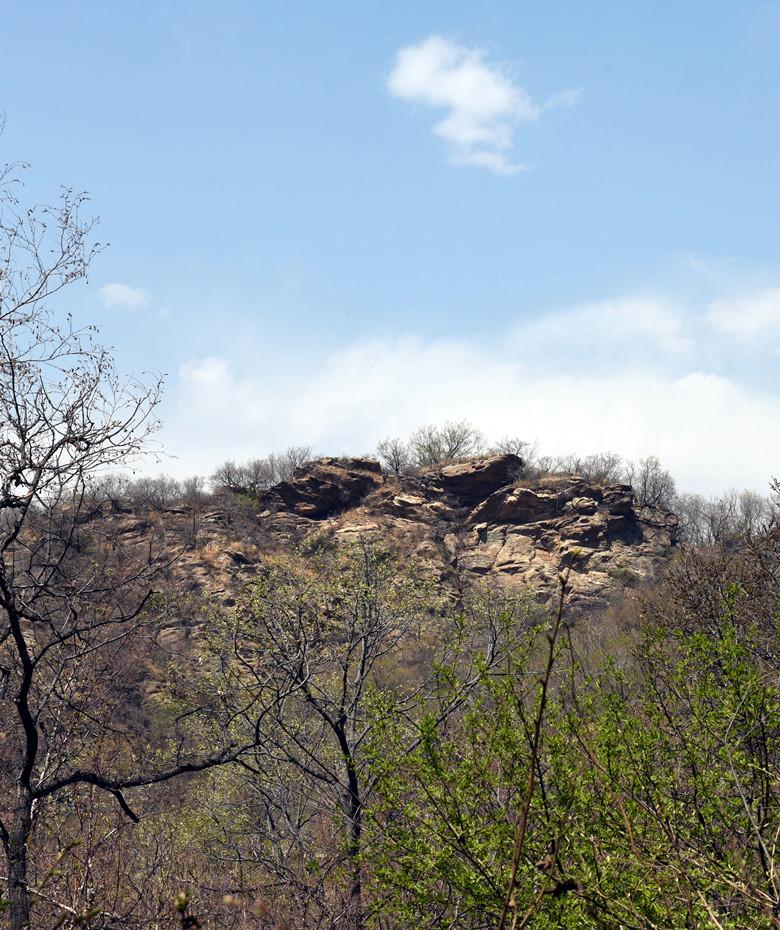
(480, 518)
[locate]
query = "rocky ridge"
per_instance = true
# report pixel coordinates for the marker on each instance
(480, 518)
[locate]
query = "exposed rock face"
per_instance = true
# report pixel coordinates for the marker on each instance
(533, 533)
(472, 481)
(474, 520)
(479, 519)
(325, 487)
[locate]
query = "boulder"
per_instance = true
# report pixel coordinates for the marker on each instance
(518, 505)
(344, 463)
(326, 486)
(473, 481)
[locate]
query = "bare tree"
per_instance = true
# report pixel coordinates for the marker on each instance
(437, 445)
(653, 485)
(286, 463)
(599, 467)
(395, 456)
(193, 491)
(70, 598)
(157, 493)
(754, 513)
(514, 445)
(729, 519)
(604, 468)
(321, 647)
(229, 477)
(259, 474)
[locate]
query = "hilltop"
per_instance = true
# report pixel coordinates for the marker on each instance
(476, 519)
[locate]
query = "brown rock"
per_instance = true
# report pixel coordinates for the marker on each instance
(518, 505)
(325, 486)
(473, 481)
(462, 522)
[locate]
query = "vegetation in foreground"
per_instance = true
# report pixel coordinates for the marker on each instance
(411, 760)
(351, 744)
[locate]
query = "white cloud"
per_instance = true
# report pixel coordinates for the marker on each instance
(123, 297)
(637, 324)
(619, 375)
(750, 316)
(481, 102)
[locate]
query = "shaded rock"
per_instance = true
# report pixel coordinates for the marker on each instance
(583, 505)
(473, 481)
(463, 522)
(352, 531)
(619, 499)
(586, 530)
(238, 557)
(518, 505)
(414, 506)
(325, 486)
(349, 464)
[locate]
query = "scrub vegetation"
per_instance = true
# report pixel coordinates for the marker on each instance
(352, 741)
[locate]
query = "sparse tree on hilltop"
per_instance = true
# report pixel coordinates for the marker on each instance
(438, 445)
(395, 456)
(259, 474)
(652, 484)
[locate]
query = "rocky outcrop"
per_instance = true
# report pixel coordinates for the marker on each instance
(473, 520)
(325, 487)
(528, 534)
(472, 481)
(480, 519)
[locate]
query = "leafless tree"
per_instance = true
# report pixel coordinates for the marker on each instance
(229, 477)
(284, 464)
(193, 491)
(157, 493)
(395, 456)
(600, 467)
(70, 598)
(514, 445)
(604, 468)
(322, 648)
(437, 445)
(755, 513)
(729, 519)
(259, 474)
(653, 485)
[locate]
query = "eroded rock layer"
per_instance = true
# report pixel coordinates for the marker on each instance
(482, 519)
(479, 519)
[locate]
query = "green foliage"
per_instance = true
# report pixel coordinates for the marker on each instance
(445, 821)
(404, 749)
(657, 803)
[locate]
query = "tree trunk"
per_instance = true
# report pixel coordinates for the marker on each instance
(356, 888)
(354, 812)
(354, 848)
(16, 854)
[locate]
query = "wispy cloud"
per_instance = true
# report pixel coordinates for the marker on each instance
(645, 325)
(627, 374)
(123, 297)
(750, 316)
(482, 104)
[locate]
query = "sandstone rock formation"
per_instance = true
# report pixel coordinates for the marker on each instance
(325, 486)
(480, 518)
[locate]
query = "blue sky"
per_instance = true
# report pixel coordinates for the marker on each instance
(333, 222)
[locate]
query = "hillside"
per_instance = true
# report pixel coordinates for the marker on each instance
(470, 520)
